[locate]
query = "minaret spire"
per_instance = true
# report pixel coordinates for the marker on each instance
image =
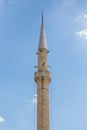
(43, 78)
(42, 40)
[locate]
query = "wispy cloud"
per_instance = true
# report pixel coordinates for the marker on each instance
(2, 119)
(82, 16)
(82, 34)
(34, 99)
(4, 3)
(82, 20)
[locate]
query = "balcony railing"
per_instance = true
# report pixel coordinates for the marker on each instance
(42, 73)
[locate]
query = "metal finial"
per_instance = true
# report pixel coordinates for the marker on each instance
(42, 15)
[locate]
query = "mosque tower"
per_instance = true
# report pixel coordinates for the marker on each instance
(42, 77)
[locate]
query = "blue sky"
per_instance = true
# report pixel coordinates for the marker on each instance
(66, 32)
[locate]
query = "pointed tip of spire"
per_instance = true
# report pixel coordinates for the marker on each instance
(42, 40)
(42, 16)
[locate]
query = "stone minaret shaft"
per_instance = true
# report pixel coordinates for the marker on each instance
(43, 78)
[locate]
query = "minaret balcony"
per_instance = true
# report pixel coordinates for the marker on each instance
(40, 74)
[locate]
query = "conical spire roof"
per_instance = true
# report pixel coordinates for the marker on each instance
(42, 40)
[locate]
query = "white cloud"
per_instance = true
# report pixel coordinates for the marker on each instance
(82, 34)
(35, 95)
(82, 16)
(85, 16)
(2, 120)
(4, 3)
(34, 99)
(82, 20)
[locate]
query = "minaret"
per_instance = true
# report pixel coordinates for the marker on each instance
(43, 77)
